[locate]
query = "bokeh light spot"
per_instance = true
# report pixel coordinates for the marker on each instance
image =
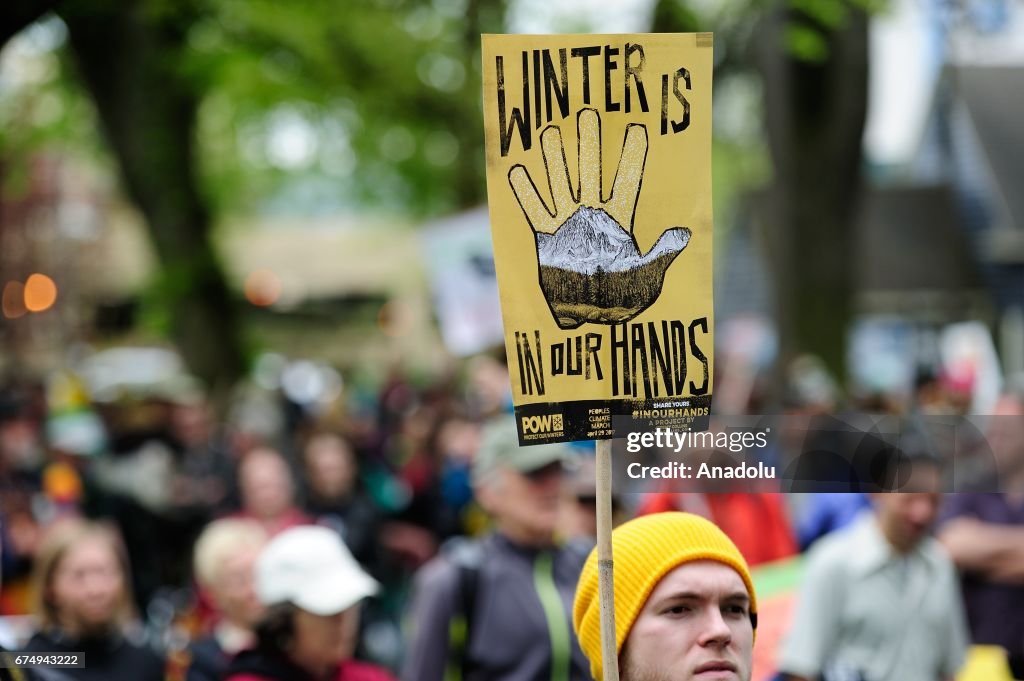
(40, 293)
(13, 300)
(262, 288)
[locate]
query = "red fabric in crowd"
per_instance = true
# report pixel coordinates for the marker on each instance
(350, 670)
(756, 522)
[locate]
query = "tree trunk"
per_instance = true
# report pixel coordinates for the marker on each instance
(130, 56)
(814, 116)
(481, 16)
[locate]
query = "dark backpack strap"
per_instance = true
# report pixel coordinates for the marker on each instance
(467, 557)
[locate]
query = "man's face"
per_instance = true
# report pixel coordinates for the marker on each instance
(526, 505)
(906, 517)
(322, 641)
(695, 626)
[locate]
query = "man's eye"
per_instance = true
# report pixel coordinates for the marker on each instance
(678, 610)
(736, 610)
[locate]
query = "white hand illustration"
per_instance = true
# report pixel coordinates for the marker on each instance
(591, 268)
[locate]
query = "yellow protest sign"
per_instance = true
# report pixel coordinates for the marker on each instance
(599, 187)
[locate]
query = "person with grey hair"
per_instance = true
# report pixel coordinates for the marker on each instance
(224, 560)
(500, 608)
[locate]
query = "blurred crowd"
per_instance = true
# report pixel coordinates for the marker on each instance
(403, 533)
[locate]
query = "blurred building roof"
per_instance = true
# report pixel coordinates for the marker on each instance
(993, 97)
(973, 142)
(314, 258)
(912, 256)
(320, 258)
(349, 289)
(908, 239)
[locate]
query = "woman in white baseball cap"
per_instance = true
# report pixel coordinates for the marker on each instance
(312, 588)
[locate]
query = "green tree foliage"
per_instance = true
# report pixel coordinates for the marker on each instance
(385, 96)
(211, 108)
(217, 107)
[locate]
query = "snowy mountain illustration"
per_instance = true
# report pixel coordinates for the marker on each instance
(591, 238)
(591, 269)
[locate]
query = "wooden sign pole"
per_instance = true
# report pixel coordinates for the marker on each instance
(605, 564)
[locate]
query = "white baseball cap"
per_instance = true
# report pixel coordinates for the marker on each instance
(310, 567)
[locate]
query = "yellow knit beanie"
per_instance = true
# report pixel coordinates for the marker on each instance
(646, 549)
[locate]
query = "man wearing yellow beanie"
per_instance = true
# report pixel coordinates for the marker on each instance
(685, 608)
